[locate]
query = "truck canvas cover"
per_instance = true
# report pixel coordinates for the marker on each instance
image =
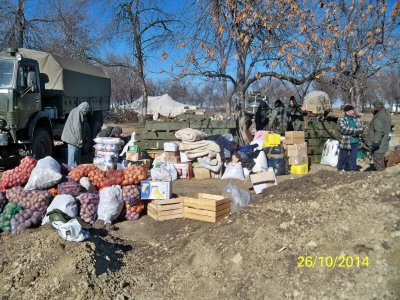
(69, 77)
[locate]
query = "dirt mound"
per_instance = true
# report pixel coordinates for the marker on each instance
(254, 254)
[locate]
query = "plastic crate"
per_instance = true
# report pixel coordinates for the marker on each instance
(299, 169)
(272, 140)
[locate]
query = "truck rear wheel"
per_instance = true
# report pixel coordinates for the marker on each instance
(42, 144)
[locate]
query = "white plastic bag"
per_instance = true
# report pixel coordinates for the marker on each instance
(233, 171)
(65, 203)
(71, 231)
(165, 172)
(261, 162)
(239, 197)
(87, 184)
(111, 203)
(108, 140)
(46, 174)
(330, 153)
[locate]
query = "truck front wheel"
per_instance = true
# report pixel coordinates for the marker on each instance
(42, 144)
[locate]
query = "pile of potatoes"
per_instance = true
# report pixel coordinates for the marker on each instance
(89, 203)
(34, 199)
(18, 176)
(70, 187)
(25, 219)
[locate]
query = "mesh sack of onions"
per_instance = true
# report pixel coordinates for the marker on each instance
(70, 187)
(8, 214)
(18, 176)
(27, 218)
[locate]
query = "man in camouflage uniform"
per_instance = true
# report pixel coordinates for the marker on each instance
(295, 115)
(261, 116)
(377, 137)
(278, 119)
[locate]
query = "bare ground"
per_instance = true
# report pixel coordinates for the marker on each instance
(319, 215)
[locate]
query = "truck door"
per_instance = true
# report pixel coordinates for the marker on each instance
(28, 100)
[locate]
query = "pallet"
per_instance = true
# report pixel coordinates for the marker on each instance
(161, 210)
(207, 207)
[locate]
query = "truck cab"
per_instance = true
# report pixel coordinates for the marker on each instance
(37, 92)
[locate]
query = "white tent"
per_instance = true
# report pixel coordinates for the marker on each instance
(164, 105)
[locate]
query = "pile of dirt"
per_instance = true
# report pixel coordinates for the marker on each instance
(254, 254)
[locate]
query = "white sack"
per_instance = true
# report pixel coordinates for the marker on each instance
(46, 174)
(65, 203)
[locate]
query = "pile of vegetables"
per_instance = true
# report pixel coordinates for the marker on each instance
(70, 187)
(89, 203)
(19, 175)
(3, 200)
(133, 205)
(26, 218)
(81, 171)
(132, 212)
(34, 199)
(134, 174)
(10, 210)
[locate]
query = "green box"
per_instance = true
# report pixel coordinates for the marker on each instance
(134, 148)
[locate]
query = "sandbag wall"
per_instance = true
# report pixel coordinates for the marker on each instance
(317, 132)
(154, 134)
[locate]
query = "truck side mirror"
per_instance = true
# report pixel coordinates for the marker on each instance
(32, 80)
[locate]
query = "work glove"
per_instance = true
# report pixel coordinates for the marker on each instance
(374, 147)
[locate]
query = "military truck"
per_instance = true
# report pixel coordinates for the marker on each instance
(37, 92)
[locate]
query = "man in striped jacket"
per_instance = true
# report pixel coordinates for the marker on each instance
(349, 129)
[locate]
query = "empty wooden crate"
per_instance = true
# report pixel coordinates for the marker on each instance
(207, 207)
(161, 210)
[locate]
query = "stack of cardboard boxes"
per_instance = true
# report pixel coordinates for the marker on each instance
(296, 149)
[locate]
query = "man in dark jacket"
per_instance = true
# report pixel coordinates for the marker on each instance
(73, 133)
(349, 129)
(295, 115)
(261, 116)
(278, 119)
(377, 137)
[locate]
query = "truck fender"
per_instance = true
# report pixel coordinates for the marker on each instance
(40, 118)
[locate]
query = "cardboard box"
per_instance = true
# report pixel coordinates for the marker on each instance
(171, 146)
(134, 148)
(298, 160)
(132, 156)
(263, 180)
(171, 154)
(172, 160)
(184, 169)
(201, 173)
(297, 150)
(161, 210)
(158, 190)
(184, 158)
(294, 137)
(141, 162)
(207, 207)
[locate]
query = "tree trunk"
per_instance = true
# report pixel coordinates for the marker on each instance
(241, 94)
(227, 100)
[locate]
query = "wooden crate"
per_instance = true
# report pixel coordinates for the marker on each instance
(207, 207)
(161, 210)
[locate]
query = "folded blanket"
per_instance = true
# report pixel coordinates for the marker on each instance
(190, 135)
(200, 148)
(212, 164)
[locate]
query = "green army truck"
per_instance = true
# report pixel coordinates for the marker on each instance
(37, 92)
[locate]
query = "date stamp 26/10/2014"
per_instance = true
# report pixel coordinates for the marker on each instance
(343, 262)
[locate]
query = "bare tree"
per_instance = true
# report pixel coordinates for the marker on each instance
(17, 28)
(145, 24)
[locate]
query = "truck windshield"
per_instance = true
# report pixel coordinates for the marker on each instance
(6, 73)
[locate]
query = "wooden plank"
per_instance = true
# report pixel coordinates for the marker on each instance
(166, 126)
(165, 212)
(203, 218)
(159, 135)
(209, 207)
(165, 206)
(164, 218)
(204, 212)
(211, 196)
(169, 201)
(209, 202)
